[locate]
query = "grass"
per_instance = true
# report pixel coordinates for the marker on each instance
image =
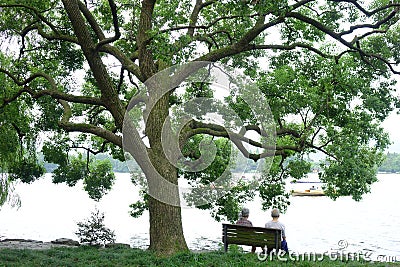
(89, 256)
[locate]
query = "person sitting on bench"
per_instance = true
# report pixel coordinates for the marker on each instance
(275, 224)
(244, 220)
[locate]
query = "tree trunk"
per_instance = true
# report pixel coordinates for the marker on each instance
(166, 232)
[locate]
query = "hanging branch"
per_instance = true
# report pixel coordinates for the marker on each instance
(20, 136)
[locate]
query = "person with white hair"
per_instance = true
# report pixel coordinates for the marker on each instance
(244, 220)
(276, 224)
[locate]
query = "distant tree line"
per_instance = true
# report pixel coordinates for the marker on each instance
(118, 166)
(391, 164)
(242, 165)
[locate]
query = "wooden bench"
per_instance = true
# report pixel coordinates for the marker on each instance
(251, 236)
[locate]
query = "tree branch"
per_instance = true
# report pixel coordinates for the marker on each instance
(242, 45)
(363, 10)
(94, 152)
(339, 38)
(92, 21)
(146, 62)
(117, 35)
(35, 11)
(284, 131)
(372, 26)
(204, 27)
(126, 62)
(194, 17)
(68, 126)
(197, 127)
(291, 47)
(53, 92)
(56, 36)
(108, 93)
(320, 148)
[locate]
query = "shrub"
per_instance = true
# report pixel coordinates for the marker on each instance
(93, 232)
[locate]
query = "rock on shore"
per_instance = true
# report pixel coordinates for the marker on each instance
(60, 242)
(35, 244)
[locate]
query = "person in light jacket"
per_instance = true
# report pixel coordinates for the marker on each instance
(276, 224)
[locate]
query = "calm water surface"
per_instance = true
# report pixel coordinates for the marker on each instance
(313, 224)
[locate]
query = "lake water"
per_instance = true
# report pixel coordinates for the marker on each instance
(313, 224)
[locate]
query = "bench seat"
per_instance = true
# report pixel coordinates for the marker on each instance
(250, 236)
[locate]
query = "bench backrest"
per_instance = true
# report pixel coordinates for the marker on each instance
(251, 236)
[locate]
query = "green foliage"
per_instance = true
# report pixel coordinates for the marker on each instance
(4, 190)
(117, 165)
(26, 171)
(7, 194)
(55, 153)
(351, 175)
(71, 172)
(93, 232)
(200, 146)
(298, 168)
(18, 143)
(272, 188)
(99, 179)
(242, 108)
(92, 256)
(228, 206)
(97, 175)
(350, 105)
(50, 114)
(221, 207)
(140, 206)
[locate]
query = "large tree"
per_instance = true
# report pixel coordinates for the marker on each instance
(324, 66)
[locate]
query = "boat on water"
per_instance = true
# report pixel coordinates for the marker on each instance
(308, 192)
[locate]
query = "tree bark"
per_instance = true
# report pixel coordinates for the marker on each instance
(109, 94)
(166, 231)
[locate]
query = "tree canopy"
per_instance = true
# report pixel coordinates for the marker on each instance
(70, 69)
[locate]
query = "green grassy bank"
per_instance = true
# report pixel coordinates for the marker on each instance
(86, 256)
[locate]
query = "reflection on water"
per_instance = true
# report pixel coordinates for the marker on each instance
(139, 241)
(371, 224)
(199, 243)
(314, 224)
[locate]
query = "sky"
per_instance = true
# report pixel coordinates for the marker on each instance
(392, 126)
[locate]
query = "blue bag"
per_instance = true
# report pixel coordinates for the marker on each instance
(284, 246)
